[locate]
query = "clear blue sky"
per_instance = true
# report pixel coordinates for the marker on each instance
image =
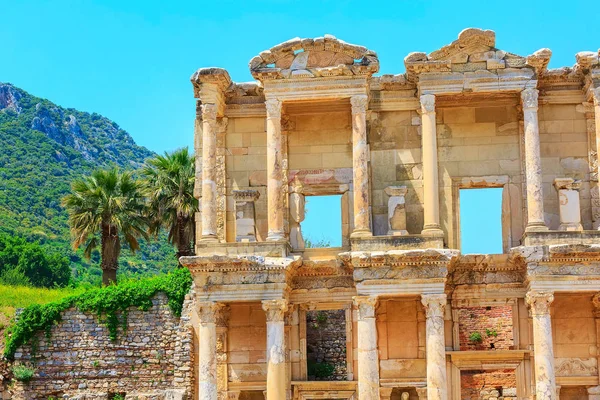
(481, 220)
(131, 60)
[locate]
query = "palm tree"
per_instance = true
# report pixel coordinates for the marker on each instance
(169, 184)
(109, 203)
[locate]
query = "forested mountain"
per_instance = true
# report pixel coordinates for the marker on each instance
(43, 147)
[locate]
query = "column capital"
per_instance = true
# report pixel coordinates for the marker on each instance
(273, 108)
(366, 306)
(275, 309)
(596, 96)
(210, 311)
(529, 98)
(539, 302)
(435, 304)
(427, 103)
(209, 112)
(359, 103)
(422, 393)
(567, 184)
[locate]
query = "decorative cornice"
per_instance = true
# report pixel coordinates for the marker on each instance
(273, 107)
(539, 302)
(435, 305)
(366, 306)
(427, 103)
(209, 112)
(307, 58)
(539, 60)
(245, 195)
(275, 309)
(359, 103)
(529, 98)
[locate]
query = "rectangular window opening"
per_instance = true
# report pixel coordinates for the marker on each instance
(481, 220)
(322, 225)
(326, 345)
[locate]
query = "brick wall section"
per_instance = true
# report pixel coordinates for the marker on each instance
(152, 359)
(487, 385)
(478, 319)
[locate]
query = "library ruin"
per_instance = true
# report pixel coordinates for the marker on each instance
(419, 319)
(395, 310)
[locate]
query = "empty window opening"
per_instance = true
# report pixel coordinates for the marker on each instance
(326, 345)
(481, 220)
(322, 225)
(487, 384)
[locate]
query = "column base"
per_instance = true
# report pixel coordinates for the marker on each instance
(276, 237)
(207, 239)
(536, 227)
(358, 233)
(432, 231)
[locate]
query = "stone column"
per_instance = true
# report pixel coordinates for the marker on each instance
(274, 171)
(368, 357)
(533, 163)
(431, 195)
(360, 170)
(596, 100)
(209, 173)
(435, 304)
(222, 327)
(207, 350)
(568, 202)
(276, 370)
(396, 210)
(594, 393)
(545, 385)
(245, 220)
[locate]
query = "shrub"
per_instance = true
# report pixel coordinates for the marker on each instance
(320, 370)
(491, 333)
(475, 337)
(23, 373)
(14, 277)
(108, 303)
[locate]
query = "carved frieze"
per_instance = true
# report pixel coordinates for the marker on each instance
(576, 366)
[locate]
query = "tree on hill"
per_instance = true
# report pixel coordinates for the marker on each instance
(169, 186)
(109, 203)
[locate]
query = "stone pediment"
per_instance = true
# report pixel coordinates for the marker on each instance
(309, 58)
(474, 50)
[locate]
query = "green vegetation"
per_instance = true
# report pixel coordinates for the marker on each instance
(169, 183)
(475, 337)
(109, 303)
(320, 370)
(23, 373)
(23, 263)
(491, 332)
(43, 148)
(108, 204)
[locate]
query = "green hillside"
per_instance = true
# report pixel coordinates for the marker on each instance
(43, 147)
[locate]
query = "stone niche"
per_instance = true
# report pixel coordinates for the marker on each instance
(326, 345)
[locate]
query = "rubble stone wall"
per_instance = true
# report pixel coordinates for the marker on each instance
(326, 342)
(150, 359)
(487, 385)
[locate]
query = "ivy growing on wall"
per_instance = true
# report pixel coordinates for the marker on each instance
(109, 303)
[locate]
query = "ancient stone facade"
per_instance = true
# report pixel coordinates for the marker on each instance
(422, 320)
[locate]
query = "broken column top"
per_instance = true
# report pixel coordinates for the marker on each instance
(567, 183)
(396, 190)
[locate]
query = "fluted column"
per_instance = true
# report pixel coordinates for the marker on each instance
(208, 312)
(435, 304)
(431, 196)
(274, 171)
(545, 380)
(368, 357)
(533, 162)
(276, 370)
(209, 173)
(360, 170)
